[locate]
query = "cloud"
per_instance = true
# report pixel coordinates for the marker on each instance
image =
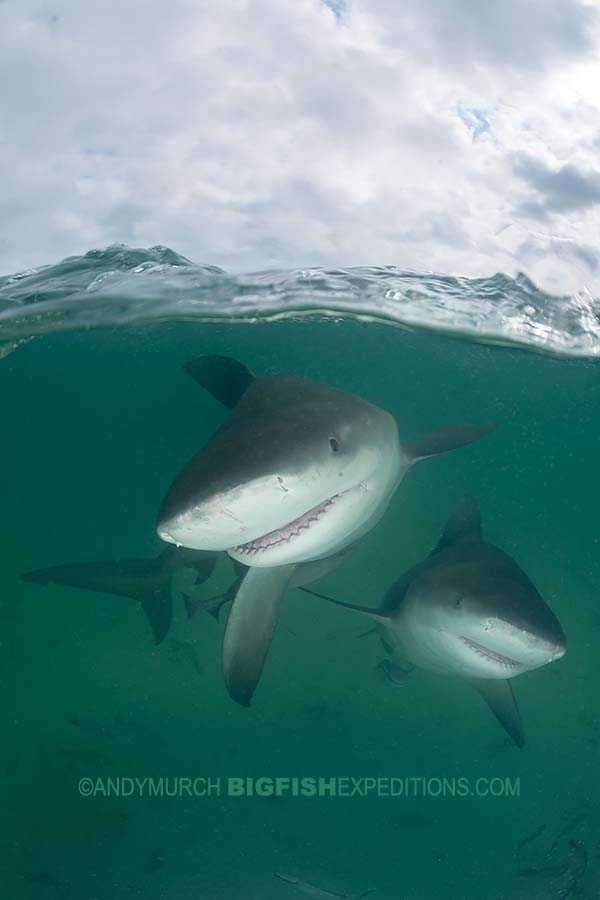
(337, 7)
(475, 121)
(276, 135)
(521, 35)
(562, 190)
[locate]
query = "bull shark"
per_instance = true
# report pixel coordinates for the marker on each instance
(148, 581)
(468, 611)
(298, 473)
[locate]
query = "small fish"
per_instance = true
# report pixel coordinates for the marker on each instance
(101, 729)
(578, 859)
(530, 838)
(577, 866)
(183, 651)
(571, 825)
(395, 674)
(46, 882)
(543, 871)
(313, 891)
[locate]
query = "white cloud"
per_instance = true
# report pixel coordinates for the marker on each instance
(259, 135)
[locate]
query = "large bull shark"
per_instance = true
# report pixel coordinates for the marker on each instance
(468, 611)
(298, 473)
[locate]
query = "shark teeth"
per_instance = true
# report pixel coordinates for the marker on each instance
(288, 532)
(491, 654)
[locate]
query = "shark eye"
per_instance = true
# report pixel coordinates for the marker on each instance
(334, 444)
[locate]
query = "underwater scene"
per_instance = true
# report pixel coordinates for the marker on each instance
(299, 584)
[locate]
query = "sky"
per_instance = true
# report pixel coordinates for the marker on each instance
(461, 138)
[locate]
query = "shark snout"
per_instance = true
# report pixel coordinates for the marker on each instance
(531, 648)
(557, 651)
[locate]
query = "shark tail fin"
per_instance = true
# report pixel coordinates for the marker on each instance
(148, 582)
(499, 696)
(158, 606)
(444, 439)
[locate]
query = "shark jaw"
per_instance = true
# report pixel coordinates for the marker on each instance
(493, 657)
(288, 532)
(515, 652)
(323, 530)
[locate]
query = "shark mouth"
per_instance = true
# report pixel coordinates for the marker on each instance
(491, 654)
(288, 532)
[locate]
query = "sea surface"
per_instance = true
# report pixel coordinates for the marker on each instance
(98, 416)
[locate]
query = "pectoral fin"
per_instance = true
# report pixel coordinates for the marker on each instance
(250, 627)
(444, 439)
(500, 698)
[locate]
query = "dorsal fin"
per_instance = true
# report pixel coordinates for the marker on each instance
(464, 525)
(225, 378)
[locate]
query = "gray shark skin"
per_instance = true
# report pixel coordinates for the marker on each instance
(148, 581)
(298, 472)
(470, 612)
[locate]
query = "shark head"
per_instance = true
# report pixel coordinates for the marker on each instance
(298, 471)
(475, 621)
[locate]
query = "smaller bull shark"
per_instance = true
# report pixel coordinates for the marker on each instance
(469, 611)
(148, 581)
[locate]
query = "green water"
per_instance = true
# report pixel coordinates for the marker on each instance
(95, 425)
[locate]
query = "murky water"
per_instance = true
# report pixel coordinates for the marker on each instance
(98, 416)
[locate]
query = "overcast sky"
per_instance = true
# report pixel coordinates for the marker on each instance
(461, 137)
